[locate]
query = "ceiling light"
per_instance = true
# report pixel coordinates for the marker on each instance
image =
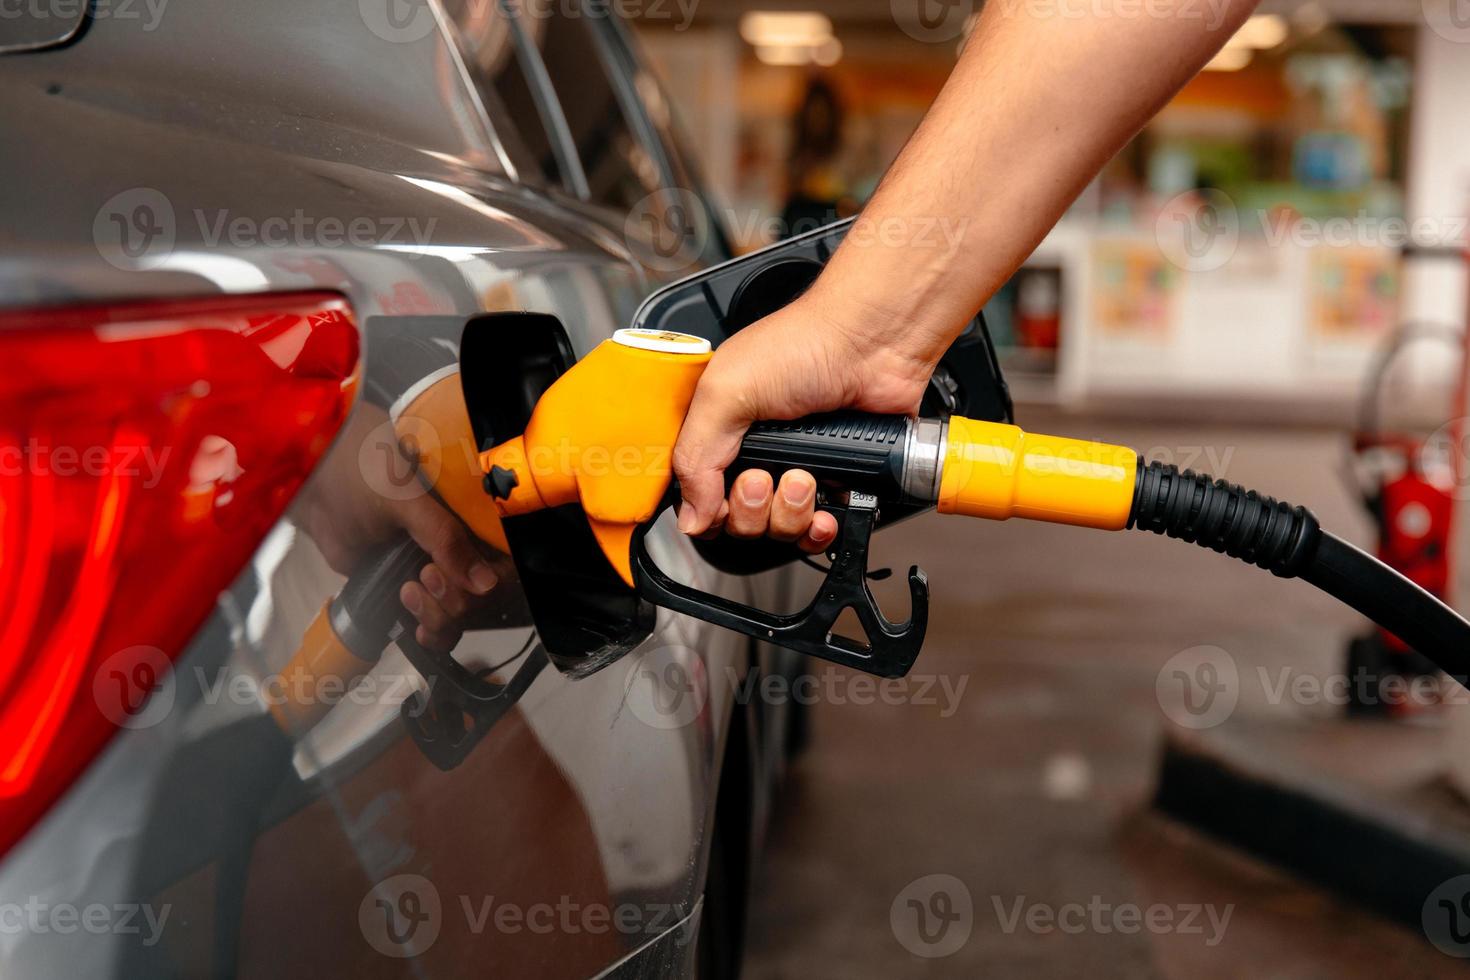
(1263, 31)
(770, 28)
(784, 55)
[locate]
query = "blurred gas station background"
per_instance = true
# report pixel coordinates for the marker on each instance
(1268, 283)
(1327, 141)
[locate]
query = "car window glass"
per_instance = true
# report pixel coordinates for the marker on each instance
(485, 42)
(620, 170)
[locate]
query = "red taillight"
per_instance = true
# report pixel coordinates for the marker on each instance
(145, 450)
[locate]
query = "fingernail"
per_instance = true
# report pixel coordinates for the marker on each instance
(411, 601)
(686, 519)
(482, 577)
(754, 492)
(434, 581)
(798, 491)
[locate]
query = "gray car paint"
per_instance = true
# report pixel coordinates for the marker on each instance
(243, 113)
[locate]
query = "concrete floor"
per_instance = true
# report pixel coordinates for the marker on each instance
(1029, 786)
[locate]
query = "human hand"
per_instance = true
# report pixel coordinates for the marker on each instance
(802, 359)
(346, 514)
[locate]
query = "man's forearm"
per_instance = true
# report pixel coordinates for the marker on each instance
(1045, 93)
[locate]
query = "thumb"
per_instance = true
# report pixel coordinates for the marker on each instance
(442, 535)
(708, 442)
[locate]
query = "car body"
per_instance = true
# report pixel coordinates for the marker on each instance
(493, 164)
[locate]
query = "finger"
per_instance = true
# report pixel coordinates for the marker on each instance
(440, 534)
(454, 600)
(820, 535)
(750, 505)
(425, 608)
(717, 526)
(708, 442)
(796, 501)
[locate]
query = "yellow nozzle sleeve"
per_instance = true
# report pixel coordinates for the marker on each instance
(316, 678)
(998, 472)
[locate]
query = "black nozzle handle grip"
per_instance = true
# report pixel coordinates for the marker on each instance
(365, 611)
(852, 450)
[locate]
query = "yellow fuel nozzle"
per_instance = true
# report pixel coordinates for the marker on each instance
(603, 436)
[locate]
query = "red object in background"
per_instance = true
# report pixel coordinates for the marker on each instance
(1039, 308)
(1414, 511)
(145, 451)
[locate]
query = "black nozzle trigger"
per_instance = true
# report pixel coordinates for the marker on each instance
(893, 646)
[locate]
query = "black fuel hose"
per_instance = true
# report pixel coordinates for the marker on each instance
(1288, 542)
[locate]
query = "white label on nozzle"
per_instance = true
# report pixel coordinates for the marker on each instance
(662, 340)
